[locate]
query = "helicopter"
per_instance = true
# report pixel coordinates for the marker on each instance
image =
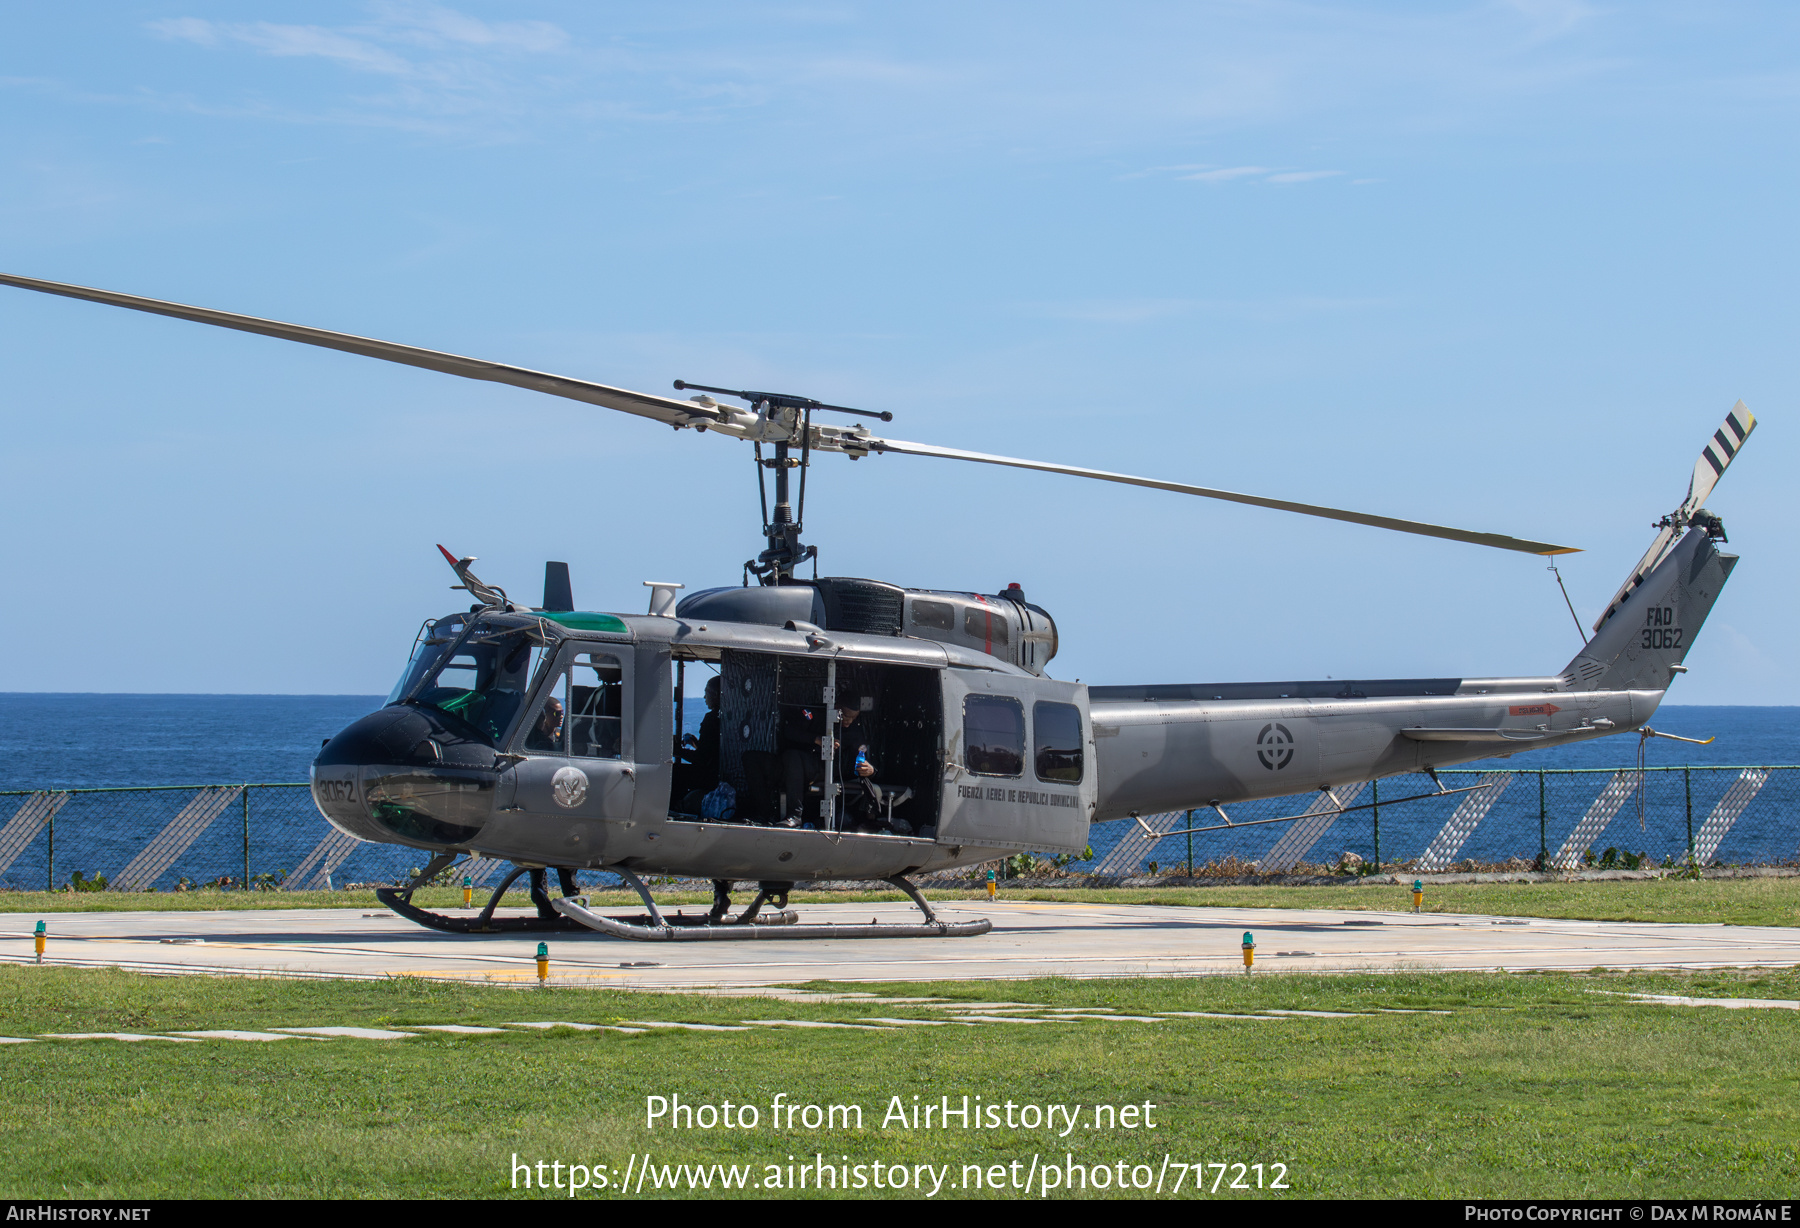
(864, 730)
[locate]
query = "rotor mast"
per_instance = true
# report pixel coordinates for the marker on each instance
(776, 564)
(782, 420)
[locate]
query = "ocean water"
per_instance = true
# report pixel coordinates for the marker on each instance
(51, 741)
(84, 741)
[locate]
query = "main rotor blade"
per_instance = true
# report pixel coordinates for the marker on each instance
(643, 404)
(683, 413)
(1498, 540)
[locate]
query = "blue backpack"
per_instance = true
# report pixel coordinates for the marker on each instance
(720, 804)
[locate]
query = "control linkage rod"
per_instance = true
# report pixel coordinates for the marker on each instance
(781, 400)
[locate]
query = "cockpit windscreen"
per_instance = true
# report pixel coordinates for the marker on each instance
(481, 680)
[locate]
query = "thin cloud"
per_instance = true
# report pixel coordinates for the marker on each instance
(1233, 174)
(1225, 174)
(1552, 18)
(280, 40)
(376, 46)
(1143, 310)
(432, 25)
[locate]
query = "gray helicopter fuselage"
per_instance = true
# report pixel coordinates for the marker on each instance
(998, 758)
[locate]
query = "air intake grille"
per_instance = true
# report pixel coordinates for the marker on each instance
(867, 607)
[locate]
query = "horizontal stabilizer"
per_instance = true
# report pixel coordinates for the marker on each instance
(1470, 735)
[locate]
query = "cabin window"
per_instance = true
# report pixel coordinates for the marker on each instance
(982, 623)
(937, 615)
(1057, 752)
(993, 736)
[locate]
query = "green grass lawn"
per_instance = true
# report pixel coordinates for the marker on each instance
(1729, 901)
(1532, 1086)
(1739, 901)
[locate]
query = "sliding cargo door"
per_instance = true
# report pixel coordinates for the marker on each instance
(1018, 762)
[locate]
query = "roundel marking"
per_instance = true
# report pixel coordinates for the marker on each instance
(1275, 746)
(569, 787)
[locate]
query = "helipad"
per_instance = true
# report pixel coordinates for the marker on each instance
(1029, 939)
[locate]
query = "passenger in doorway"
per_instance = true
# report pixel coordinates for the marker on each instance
(701, 755)
(802, 760)
(546, 735)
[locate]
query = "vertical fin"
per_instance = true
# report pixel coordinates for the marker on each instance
(1655, 624)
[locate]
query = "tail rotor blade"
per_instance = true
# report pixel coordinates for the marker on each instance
(1717, 454)
(1714, 458)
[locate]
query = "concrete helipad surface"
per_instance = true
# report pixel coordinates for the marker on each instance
(1029, 939)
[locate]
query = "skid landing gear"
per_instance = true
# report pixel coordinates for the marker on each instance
(547, 920)
(717, 926)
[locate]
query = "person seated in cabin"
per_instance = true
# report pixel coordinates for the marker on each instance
(700, 756)
(802, 735)
(546, 735)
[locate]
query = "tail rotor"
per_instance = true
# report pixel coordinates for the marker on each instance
(1715, 457)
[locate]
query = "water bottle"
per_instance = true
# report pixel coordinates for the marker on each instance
(862, 757)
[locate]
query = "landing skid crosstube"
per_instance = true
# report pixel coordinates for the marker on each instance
(571, 913)
(547, 920)
(718, 927)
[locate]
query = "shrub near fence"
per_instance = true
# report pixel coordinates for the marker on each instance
(271, 835)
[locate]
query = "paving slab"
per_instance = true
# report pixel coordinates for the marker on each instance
(240, 1034)
(133, 1037)
(1029, 939)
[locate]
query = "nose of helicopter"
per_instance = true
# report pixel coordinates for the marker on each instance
(410, 774)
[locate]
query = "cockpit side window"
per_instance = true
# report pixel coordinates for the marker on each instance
(581, 713)
(596, 706)
(993, 735)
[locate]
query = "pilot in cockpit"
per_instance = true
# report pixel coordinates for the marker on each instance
(546, 735)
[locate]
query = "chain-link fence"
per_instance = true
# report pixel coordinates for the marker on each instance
(271, 836)
(161, 837)
(1550, 819)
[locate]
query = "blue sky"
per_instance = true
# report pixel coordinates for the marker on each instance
(1502, 266)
